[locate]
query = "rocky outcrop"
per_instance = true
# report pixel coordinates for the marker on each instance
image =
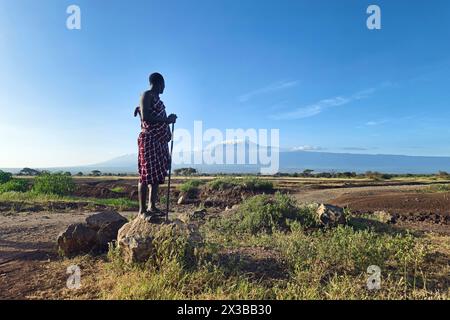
(93, 236)
(141, 240)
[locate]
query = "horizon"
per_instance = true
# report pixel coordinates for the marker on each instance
(315, 72)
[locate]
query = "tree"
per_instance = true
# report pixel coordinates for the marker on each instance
(96, 173)
(185, 172)
(80, 174)
(5, 176)
(29, 172)
(307, 172)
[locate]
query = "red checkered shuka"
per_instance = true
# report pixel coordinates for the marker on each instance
(153, 156)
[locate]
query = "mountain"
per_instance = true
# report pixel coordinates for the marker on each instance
(297, 161)
(290, 161)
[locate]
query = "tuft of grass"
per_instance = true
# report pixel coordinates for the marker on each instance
(118, 189)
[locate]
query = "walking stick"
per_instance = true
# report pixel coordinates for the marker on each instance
(170, 175)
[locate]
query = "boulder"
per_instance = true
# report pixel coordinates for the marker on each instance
(93, 236)
(77, 239)
(330, 216)
(140, 240)
(384, 217)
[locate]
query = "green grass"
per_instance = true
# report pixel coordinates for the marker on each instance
(33, 197)
(118, 189)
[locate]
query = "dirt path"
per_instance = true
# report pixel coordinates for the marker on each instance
(326, 195)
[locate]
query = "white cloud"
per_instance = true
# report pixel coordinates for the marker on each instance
(318, 107)
(306, 148)
(271, 88)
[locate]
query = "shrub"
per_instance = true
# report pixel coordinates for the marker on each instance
(58, 184)
(17, 185)
(5, 176)
(256, 184)
(264, 213)
(190, 187)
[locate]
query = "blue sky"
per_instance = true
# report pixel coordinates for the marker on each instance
(310, 68)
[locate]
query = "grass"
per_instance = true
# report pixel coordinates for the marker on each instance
(246, 183)
(32, 197)
(118, 189)
(316, 264)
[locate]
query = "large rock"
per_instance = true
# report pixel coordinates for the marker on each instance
(140, 240)
(330, 216)
(76, 239)
(91, 237)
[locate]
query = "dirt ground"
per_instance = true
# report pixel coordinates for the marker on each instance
(31, 269)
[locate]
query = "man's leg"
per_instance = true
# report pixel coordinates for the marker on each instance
(153, 196)
(142, 189)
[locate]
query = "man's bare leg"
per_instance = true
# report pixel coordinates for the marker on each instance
(153, 198)
(142, 189)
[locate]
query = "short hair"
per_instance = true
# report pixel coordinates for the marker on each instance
(156, 78)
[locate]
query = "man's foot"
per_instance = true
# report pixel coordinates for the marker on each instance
(156, 211)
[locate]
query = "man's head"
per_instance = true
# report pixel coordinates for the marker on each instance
(157, 82)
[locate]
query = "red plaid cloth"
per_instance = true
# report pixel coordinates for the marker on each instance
(153, 156)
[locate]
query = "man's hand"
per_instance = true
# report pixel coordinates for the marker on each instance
(172, 118)
(137, 112)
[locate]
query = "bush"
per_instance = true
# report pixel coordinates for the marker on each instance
(5, 176)
(190, 187)
(256, 184)
(264, 213)
(58, 184)
(17, 185)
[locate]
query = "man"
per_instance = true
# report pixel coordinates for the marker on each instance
(153, 155)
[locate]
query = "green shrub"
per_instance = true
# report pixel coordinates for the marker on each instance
(264, 213)
(17, 185)
(190, 187)
(58, 184)
(5, 176)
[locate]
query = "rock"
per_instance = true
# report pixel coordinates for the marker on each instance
(181, 200)
(93, 236)
(140, 240)
(103, 219)
(384, 216)
(196, 216)
(77, 239)
(208, 203)
(330, 216)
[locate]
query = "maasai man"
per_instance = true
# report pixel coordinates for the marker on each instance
(153, 155)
